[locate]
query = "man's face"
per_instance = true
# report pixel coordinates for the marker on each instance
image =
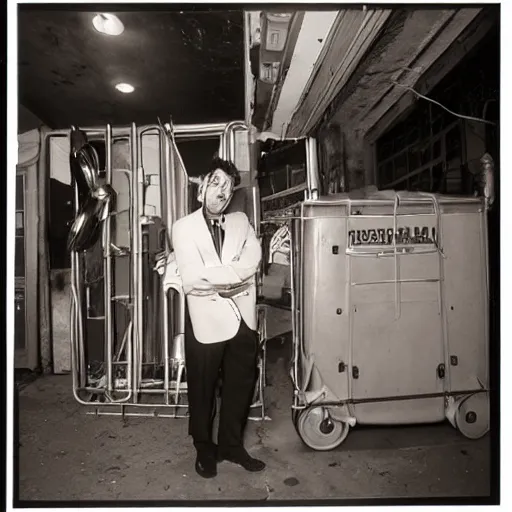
(219, 191)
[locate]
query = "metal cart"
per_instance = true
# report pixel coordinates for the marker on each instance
(390, 314)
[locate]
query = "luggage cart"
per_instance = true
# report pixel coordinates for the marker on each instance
(390, 300)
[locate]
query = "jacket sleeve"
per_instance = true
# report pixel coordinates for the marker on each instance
(189, 260)
(192, 268)
(250, 257)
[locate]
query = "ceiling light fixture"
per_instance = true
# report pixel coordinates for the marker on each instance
(125, 88)
(108, 24)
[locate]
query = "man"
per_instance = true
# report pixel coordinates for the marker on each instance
(218, 255)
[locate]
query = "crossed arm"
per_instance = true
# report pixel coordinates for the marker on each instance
(198, 279)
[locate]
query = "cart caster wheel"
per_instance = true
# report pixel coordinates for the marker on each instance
(472, 416)
(319, 430)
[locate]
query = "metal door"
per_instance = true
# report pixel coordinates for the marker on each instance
(397, 320)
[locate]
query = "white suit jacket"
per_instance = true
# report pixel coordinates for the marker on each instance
(214, 318)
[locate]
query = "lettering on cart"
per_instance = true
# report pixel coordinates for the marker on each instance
(416, 235)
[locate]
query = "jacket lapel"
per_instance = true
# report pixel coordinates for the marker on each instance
(232, 237)
(204, 240)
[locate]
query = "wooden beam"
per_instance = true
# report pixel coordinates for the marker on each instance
(331, 159)
(409, 33)
(469, 37)
(352, 34)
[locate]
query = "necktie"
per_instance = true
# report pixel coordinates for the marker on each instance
(217, 236)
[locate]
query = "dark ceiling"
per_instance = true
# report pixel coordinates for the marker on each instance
(185, 64)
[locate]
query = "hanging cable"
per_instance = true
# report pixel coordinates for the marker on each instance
(469, 118)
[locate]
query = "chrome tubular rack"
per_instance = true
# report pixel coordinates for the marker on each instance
(128, 359)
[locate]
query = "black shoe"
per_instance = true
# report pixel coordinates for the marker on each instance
(206, 465)
(242, 458)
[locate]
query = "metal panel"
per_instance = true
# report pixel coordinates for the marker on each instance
(407, 412)
(413, 265)
(396, 357)
(324, 308)
(27, 357)
(19, 257)
(466, 299)
(386, 292)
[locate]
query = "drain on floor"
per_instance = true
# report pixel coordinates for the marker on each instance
(292, 481)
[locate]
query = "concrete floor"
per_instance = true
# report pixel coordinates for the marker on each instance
(65, 454)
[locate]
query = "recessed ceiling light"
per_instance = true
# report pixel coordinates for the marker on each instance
(108, 24)
(126, 88)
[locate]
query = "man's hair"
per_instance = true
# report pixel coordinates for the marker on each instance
(228, 167)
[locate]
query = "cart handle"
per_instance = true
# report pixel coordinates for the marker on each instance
(390, 252)
(400, 250)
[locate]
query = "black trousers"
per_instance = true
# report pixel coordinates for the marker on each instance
(235, 361)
